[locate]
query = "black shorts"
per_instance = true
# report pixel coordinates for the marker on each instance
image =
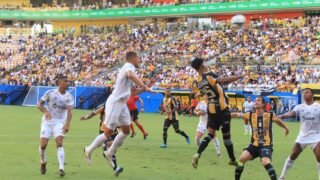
(220, 119)
(260, 151)
(134, 114)
(174, 122)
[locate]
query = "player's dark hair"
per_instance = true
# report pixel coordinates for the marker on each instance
(311, 90)
(130, 55)
(61, 78)
(196, 63)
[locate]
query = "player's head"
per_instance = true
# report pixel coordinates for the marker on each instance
(308, 94)
(63, 82)
(249, 98)
(199, 65)
(133, 58)
(168, 92)
(259, 102)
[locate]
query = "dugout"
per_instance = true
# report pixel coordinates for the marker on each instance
(315, 88)
(235, 100)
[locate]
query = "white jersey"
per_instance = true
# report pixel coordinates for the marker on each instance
(57, 105)
(202, 106)
(309, 120)
(122, 89)
(248, 106)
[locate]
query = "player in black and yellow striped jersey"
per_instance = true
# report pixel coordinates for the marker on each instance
(209, 84)
(100, 110)
(261, 141)
(171, 109)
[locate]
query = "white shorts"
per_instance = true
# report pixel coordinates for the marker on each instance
(202, 127)
(116, 114)
(311, 140)
(51, 129)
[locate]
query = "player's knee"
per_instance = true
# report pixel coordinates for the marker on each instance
(43, 147)
(126, 131)
(59, 144)
(265, 161)
(177, 130)
(227, 142)
(165, 129)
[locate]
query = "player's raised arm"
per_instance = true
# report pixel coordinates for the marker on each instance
(236, 115)
(290, 114)
(134, 78)
(229, 79)
(280, 123)
(92, 114)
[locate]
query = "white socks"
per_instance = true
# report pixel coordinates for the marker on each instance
(217, 144)
(287, 166)
(60, 154)
(198, 141)
(42, 155)
(246, 129)
(96, 143)
(116, 143)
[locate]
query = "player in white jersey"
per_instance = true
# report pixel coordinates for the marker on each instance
(247, 107)
(201, 111)
(309, 113)
(116, 111)
(55, 121)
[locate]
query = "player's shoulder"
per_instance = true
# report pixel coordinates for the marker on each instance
(129, 66)
(316, 104)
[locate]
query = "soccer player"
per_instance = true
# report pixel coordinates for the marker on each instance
(208, 84)
(100, 110)
(309, 114)
(117, 113)
(201, 111)
(261, 139)
(55, 121)
(132, 105)
(247, 107)
(171, 108)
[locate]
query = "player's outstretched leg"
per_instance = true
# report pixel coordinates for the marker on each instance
(165, 136)
(133, 132)
(266, 162)
(245, 156)
(125, 131)
(60, 155)
(296, 150)
(145, 134)
(96, 143)
(182, 133)
(316, 151)
(203, 145)
(42, 152)
(175, 124)
(228, 143)
(117, 170)
(217, 145)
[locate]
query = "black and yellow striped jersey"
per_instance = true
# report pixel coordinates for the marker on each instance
(261, 127)
(170, 105)
(208, 86)
(101, 116)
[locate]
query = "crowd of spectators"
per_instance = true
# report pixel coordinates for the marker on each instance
(100, 4)
(269, 55)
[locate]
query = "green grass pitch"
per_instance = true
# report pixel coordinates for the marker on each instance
(19, 137)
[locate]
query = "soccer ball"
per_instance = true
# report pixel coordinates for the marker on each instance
(238, 21)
